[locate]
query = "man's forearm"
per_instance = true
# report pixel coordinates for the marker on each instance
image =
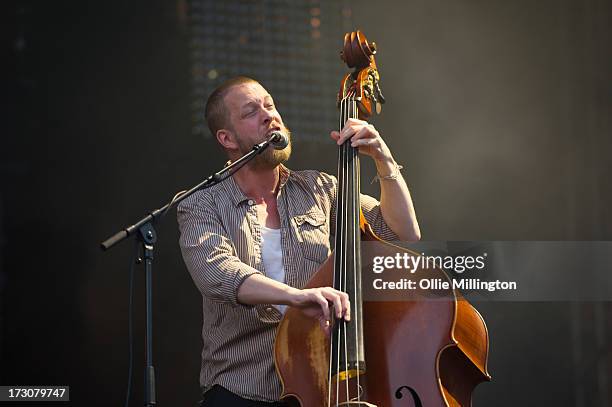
(396, 203)
(259, 289)
(315, 302)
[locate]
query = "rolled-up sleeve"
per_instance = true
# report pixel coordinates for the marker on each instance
(208, 252)
(371, 211)
(369, 205)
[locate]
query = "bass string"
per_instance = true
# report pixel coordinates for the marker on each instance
(355, 241)
(349, 233)
(347, 214)
(343, 254)
(340, 250)
(339, 253)
(353, 221)
(345, 233)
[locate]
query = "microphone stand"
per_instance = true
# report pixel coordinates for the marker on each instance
(145, 233)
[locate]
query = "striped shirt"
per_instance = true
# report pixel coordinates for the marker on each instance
(221, 246)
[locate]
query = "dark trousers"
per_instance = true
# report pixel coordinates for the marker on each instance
(219, 396)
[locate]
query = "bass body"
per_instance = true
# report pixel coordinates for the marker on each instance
(417, 347)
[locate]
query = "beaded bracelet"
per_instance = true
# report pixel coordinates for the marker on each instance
(394, 174)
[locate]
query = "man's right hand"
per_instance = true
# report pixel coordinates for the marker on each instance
(322, 303)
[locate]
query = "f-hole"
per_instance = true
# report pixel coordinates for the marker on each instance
(413, 393)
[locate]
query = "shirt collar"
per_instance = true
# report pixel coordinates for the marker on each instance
(236, 194)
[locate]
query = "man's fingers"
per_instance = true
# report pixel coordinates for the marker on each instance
(356, 121)
(346, 305)
(365, 132)
(350, 129)
(346, 133)
(324, 305)
(356, 131)
(342, 304)
(326, 326)
(329, 300)
(363, 142)
(337, 305)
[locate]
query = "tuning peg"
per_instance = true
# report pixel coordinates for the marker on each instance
(379, 93)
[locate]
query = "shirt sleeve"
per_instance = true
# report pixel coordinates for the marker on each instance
(369, 205)
(208, 252)
(371, 210)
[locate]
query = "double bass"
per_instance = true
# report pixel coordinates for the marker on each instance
(416, 349)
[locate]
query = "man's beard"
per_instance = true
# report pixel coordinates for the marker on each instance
(270, 158)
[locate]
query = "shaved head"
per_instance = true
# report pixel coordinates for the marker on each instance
(216, 112)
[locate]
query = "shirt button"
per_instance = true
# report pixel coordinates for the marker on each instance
(268, 309)
(251, 202)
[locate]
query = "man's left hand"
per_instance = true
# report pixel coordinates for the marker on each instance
(364, 136)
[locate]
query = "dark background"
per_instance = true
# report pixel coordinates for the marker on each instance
(499, 112)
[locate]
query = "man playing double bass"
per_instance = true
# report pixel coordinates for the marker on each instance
(253, 241)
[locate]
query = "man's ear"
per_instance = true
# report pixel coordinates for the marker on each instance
(227, 139)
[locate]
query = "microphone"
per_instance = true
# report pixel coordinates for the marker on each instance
(279, 140)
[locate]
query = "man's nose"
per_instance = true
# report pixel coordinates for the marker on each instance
(267, 115)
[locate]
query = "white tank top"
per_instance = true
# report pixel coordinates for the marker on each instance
(272, 256)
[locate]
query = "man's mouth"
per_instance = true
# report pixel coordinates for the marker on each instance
(272, 130)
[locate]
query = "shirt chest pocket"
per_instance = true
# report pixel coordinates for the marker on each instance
(313, 235)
